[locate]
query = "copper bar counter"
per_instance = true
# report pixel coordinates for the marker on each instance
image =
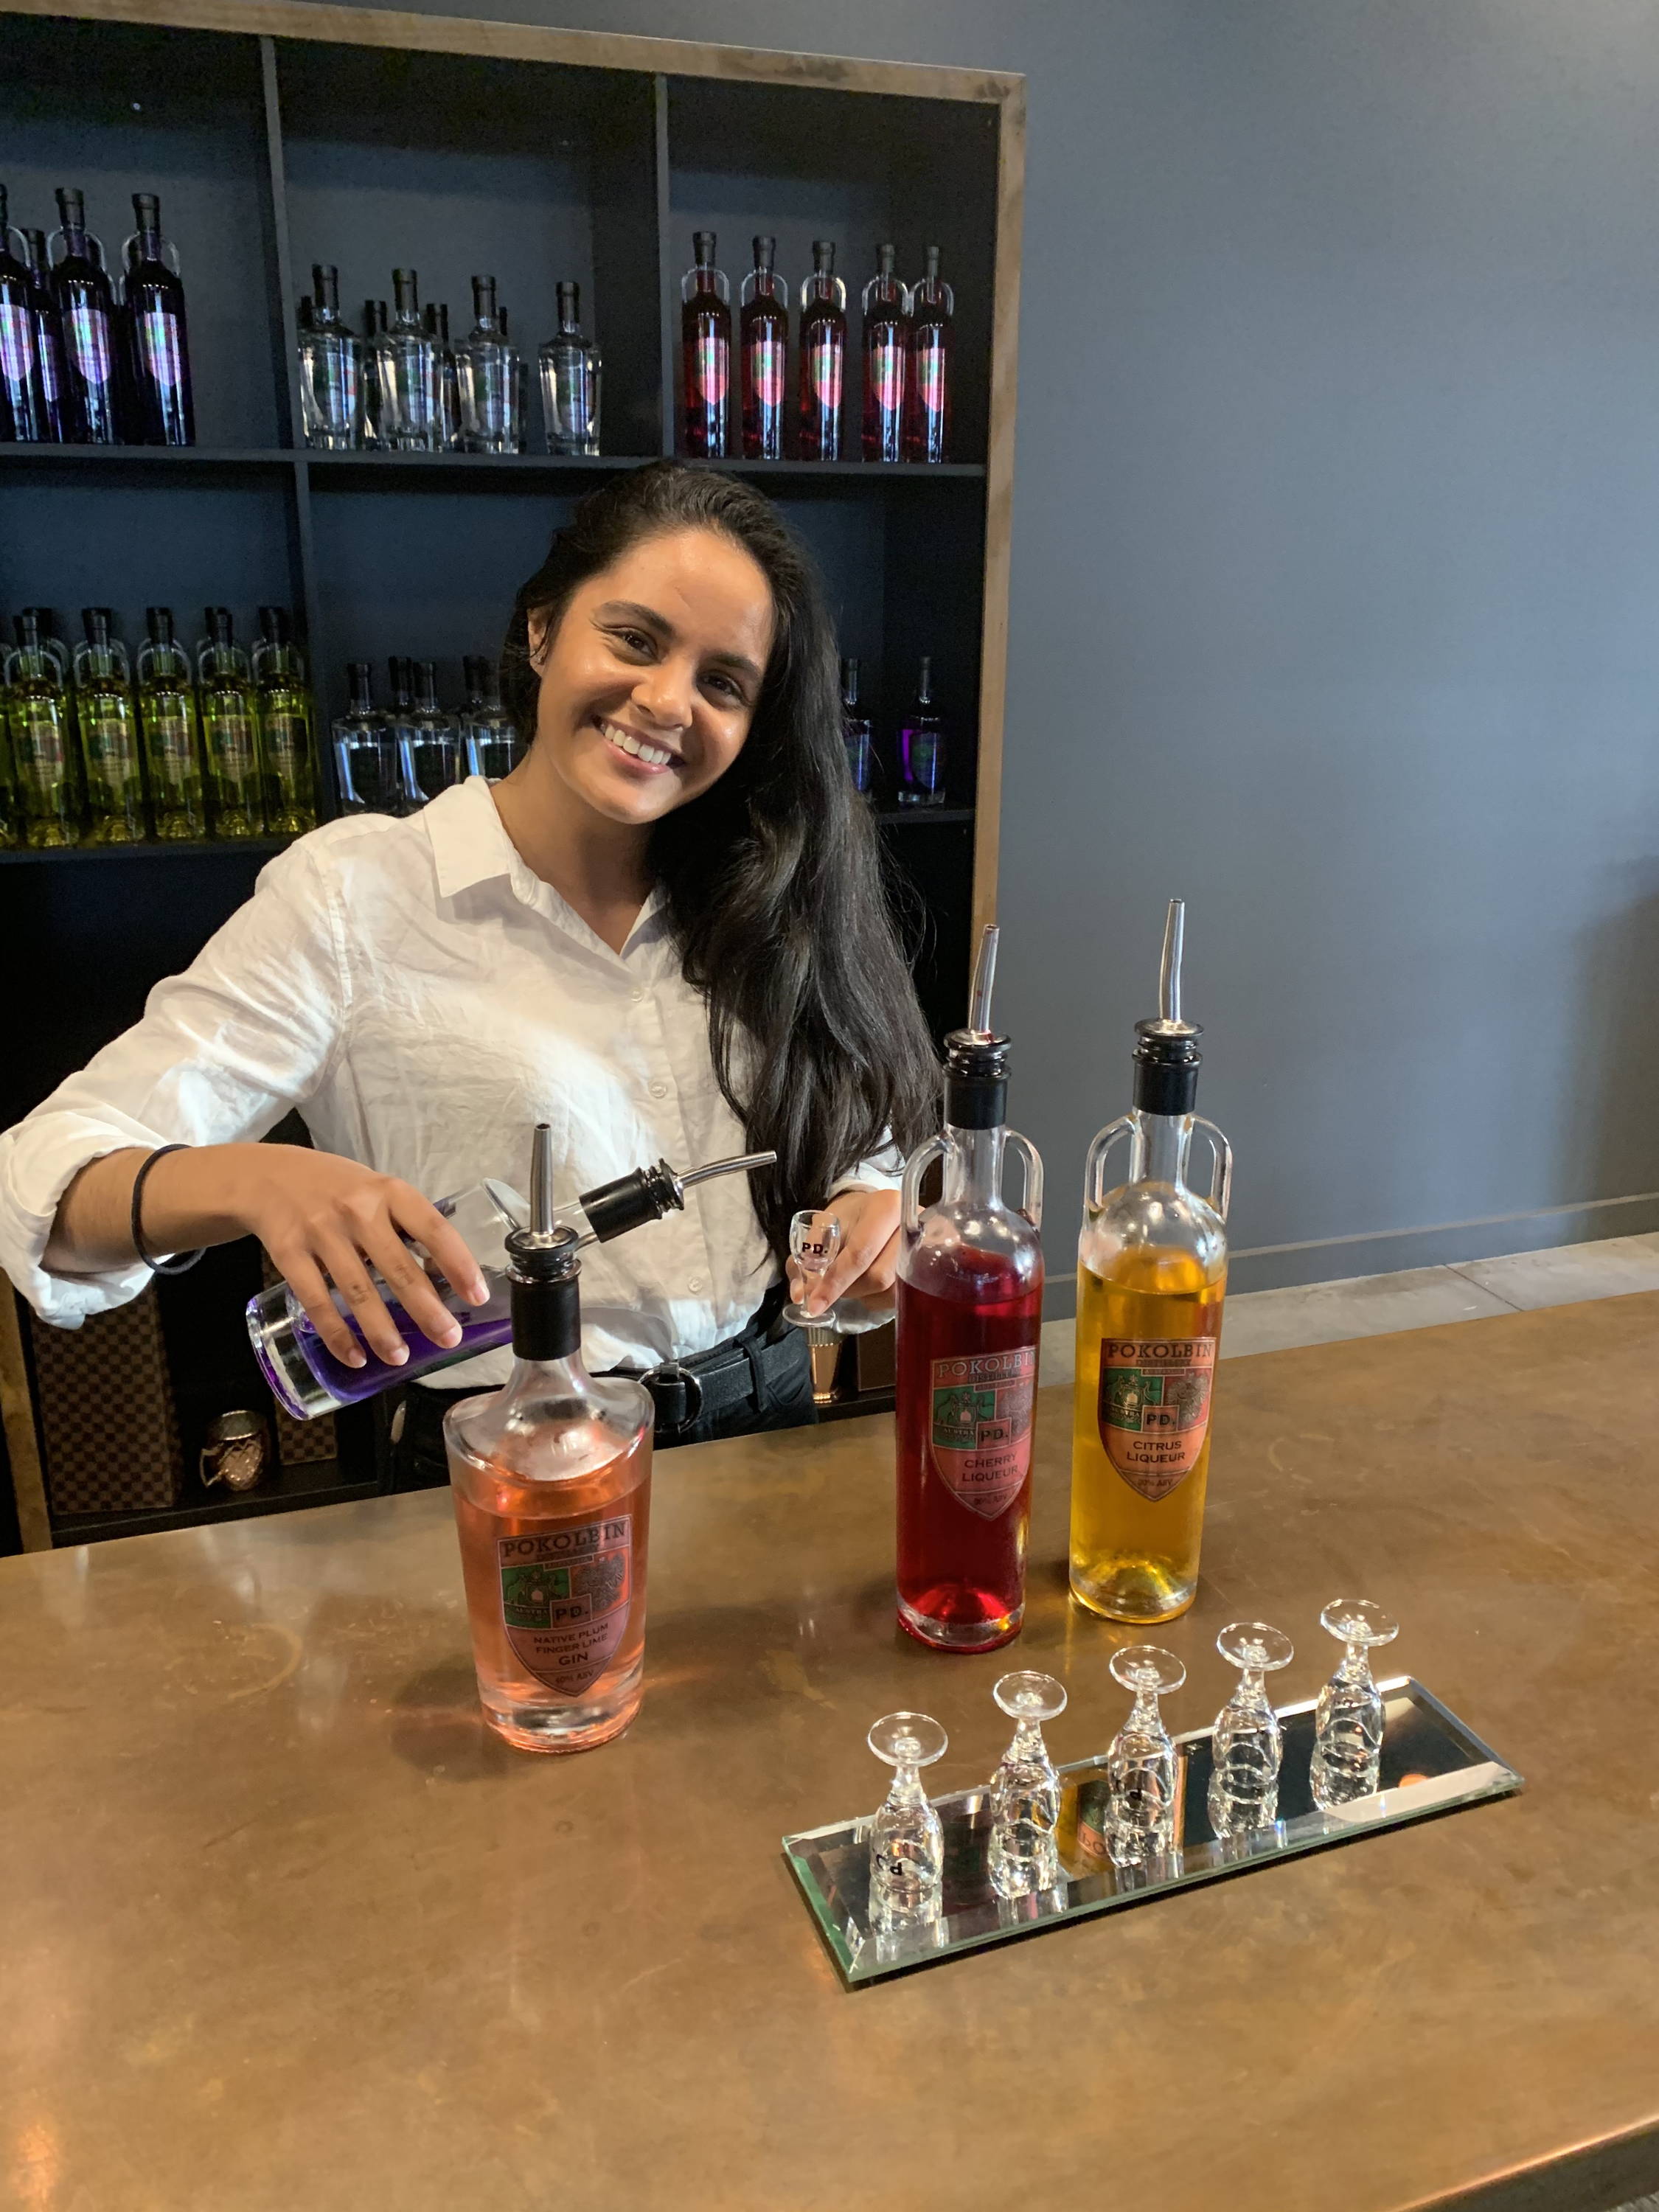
(283, 1930)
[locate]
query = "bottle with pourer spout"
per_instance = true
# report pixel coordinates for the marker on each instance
(1151, 1276)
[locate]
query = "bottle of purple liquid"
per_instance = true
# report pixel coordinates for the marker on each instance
(308, 1379)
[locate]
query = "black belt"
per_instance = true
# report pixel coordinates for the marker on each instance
(718, 1381)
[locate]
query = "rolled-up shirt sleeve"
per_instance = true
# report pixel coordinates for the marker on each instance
(224, 1051)
(883, 1170)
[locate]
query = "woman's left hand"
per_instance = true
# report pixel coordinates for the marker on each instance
(868, 1259)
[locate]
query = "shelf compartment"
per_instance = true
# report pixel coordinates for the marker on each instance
(458, 164)
(115, 108)
(796, 163)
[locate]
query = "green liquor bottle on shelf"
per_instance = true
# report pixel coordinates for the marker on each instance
(110, 748)
(284, 710)
(230, 731)
(41, 729)
(173, 742)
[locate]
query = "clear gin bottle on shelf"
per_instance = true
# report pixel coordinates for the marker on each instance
(488, 730)
(571, 370)
(487, 365)
(431, 743)
(409, 403)
(366, 766)
(330, 369)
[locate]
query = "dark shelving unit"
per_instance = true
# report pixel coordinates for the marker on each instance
(455, 147)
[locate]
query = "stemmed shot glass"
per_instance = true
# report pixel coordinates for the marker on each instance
(1246, 1746)
(815, 1239)
(1348, 1756)
(907, 1844)
(1023, 1853)
(1140, 1759)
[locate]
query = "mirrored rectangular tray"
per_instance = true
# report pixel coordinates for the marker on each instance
(1430, 1764)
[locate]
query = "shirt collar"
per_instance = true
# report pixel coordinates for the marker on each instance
(470, 846)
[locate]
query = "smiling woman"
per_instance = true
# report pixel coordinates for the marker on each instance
(666, 933)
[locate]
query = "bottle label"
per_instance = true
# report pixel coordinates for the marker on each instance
(111, 755)
(823, 355)
(981, 1426)
(565, 1599)
(766, 366)
(710, 367)
(231, 747)
(172, 746)
(158, 336)
(1155, 1407)
(16, 349)
(286, 737)
(38, 742)
(930, 379)
(886, 374)
(86, 331)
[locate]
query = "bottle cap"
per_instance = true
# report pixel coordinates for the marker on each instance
(1167, 1057)
(823, 256)
(72, 208)
(765, 252)
(95, 623)
(158, 621)
(275, 625)
(220, 629)
(483, 298)
(325, 284)
(359, 681)
(703, 241)
(849, 681)
(570, 305)
(886, 260)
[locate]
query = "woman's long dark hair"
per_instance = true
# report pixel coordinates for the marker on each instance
(774, 876)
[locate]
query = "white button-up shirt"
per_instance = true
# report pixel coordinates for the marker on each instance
(424, 999)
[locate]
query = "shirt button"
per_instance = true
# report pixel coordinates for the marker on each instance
(659, 1091)
(637, 994)
(695, 1284)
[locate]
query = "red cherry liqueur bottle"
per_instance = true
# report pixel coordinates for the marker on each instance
(969, 1308)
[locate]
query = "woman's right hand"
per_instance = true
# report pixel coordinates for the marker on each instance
(323, 1219)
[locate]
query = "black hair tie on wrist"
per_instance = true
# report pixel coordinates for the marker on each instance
(180, 1261)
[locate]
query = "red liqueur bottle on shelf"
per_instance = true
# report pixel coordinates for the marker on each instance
(706, 340)
(969, 1309)
(886, 360)
(763, 338)
(927, 406)
(823, 355)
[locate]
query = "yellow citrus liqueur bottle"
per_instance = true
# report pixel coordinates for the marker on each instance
(1151, 1275)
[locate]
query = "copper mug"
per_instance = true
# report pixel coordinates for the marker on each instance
(237, 1451)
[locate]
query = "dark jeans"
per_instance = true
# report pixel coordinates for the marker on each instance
(779, 1397)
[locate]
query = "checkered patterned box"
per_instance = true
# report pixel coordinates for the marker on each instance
(107, 1426)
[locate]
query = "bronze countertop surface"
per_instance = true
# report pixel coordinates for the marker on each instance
(284, 1930)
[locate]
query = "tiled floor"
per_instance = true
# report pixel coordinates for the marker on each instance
(1419, 1297)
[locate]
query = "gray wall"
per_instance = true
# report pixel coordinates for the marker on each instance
(1335, 583)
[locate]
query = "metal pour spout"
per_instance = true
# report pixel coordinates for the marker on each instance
(1169, 974)
(541, 1180)
(739, 1166)
(985, 971)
